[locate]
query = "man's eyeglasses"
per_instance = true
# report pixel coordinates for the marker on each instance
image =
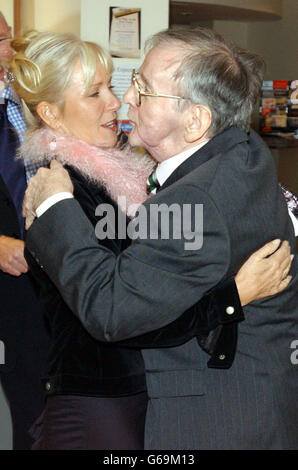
(140, 92)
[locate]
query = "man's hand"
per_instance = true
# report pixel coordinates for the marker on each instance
(264, 273)
(12, 259)
(43, 185)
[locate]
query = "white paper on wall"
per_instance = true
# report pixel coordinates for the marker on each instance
(125, 40)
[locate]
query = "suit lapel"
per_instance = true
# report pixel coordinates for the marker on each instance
(220, 143)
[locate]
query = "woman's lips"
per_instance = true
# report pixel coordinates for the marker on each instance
(112, 125)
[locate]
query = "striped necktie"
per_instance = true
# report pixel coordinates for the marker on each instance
(152, 183)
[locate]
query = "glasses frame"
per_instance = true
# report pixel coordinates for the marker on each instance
(136, 84)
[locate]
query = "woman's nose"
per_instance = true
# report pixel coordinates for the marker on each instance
(114, 103)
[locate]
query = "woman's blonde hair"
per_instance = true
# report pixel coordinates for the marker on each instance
(43, 64)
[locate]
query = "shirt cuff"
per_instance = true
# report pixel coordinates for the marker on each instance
(295, 222)
(45, 205)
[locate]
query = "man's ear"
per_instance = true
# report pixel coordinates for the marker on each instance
(197, 123)
(49, 114)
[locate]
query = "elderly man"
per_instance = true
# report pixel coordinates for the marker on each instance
(21, 320)
(190, 107)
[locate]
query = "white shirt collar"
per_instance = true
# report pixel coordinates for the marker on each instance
(167, 167)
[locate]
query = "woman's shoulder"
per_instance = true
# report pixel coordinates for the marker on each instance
(90, 195)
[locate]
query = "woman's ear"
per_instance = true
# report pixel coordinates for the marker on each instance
(49, 114)
(197, 123)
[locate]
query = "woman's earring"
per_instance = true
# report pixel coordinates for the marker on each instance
(53, 144)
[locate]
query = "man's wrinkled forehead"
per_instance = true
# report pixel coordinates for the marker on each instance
(5, 30)
(161, 59)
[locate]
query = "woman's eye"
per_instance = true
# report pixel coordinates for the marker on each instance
(94, 95)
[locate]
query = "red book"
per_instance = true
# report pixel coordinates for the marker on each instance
(280, 84)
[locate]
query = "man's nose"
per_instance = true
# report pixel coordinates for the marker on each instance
(129, 97)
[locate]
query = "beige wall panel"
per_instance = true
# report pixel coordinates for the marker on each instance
(6, 7)
(234, 31)
(277, 41)
(56, 15)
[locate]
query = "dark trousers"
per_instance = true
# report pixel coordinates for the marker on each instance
(92, 423)
(24, 333)
(25, 395)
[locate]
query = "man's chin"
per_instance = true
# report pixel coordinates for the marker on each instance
(134, 139)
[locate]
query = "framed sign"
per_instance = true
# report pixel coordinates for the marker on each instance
(125, 32)
(140, 19)
(122, 28)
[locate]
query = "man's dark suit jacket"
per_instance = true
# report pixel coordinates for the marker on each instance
(77, 363)
(253, 405)
(17, 294)
(24, 334)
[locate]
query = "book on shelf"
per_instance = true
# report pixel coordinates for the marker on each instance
(279, 109)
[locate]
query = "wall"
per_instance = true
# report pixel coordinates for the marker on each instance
(6, 7)
(28, 14)
(277, 41)
(268, 6)
(57, 15)
(234, 31)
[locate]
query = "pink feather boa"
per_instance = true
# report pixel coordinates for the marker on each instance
(122, 172)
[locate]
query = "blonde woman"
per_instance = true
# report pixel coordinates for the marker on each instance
(96, 392)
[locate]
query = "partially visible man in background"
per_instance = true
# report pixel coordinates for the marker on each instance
(21, 321)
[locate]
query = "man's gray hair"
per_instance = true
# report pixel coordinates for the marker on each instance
(214, 73)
